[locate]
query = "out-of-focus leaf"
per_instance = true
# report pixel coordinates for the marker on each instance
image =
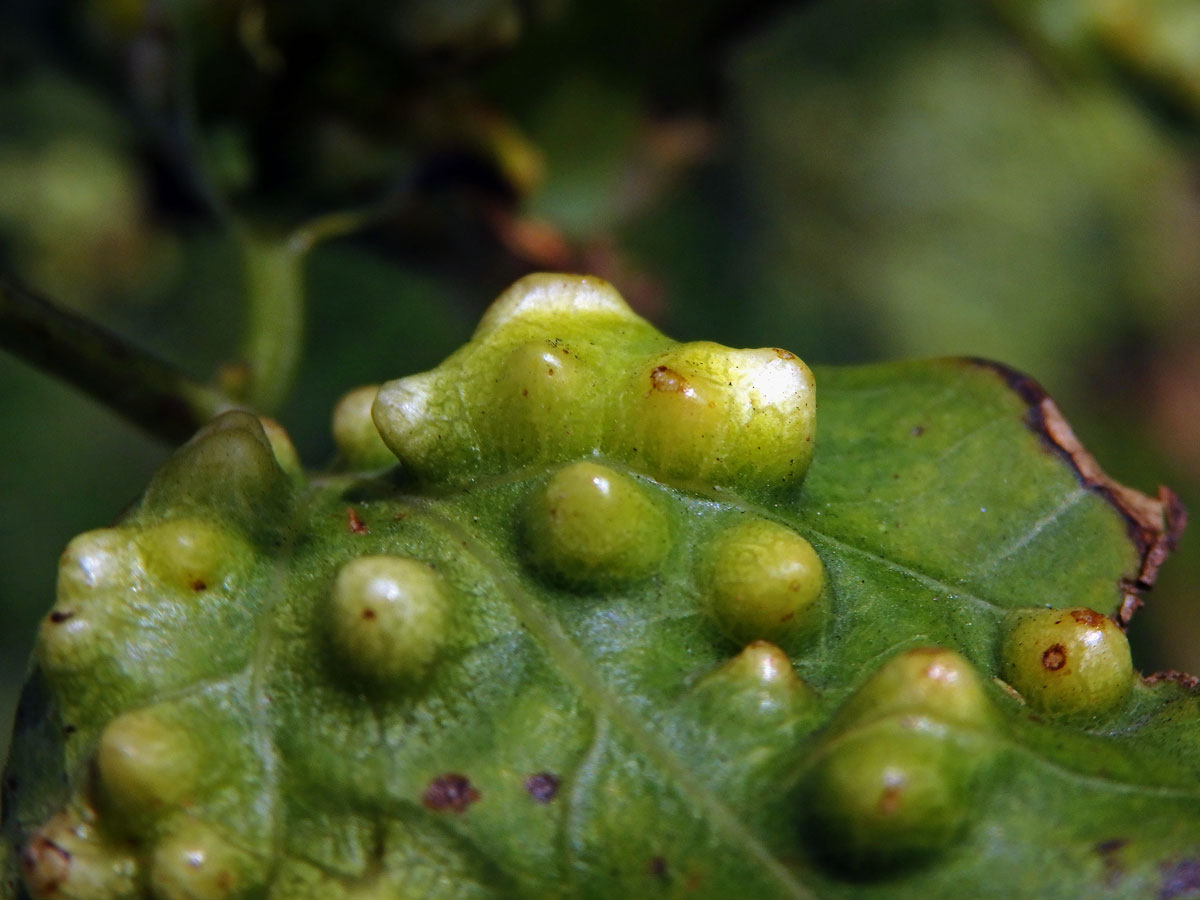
(955, 198)
(1153, 43)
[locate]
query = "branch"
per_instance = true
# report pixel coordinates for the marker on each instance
(151, 394)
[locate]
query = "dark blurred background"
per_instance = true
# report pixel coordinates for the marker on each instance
(855, 180)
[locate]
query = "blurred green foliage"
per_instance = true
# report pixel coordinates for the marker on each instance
(851, 180)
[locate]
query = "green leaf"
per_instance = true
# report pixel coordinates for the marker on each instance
(577, 646)
(1152, 46)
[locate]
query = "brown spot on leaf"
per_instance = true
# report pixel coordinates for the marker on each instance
(667, 380)
(199, 585)
(45, 864)
(1154, 523)
(1088, 617)
(1107, 851)
(368, 614)
(1184, 680)
(59, 616)
(1180, 879)
(542, 786)
(657, 866)
(889, 799)
(449, 792)
(1054, 658)
(354, 523)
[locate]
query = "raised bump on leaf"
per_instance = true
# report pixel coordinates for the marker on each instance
(228, 469)
(891, 795)
(561, 368)
(190, 555)
(702, 412)
(66, 859)
(147, 767)
(931, 680)
(354, 431)
(760, 680)
(388, 617)
(421, 419)
(1067, 661)
(545, 404)
(96, 568)
(591, 526)
(468, 416)
(104, 559)
(764, 581)
(545, 298)
(194, 863)
(283, 449)
(894, 774)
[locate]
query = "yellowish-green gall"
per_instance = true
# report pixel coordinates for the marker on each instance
(147, 767)
(888, 796)
(228, 469)
(561, 368)
(97, 569)
(592, 526)
(193, 862)
(704, 413)
(283, 449)
(931, 680)
(191, 555)
(95, 561)
(388, 617)
(1067, 661)
(764, 582)
(546, 403)
(355, 434)
(895, 769)
(761, 677)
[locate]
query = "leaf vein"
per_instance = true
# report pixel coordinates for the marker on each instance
(575, 667)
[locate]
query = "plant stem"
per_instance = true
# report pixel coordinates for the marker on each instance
(274, 331)
(148, 392)
(341, 223)
(273, 337)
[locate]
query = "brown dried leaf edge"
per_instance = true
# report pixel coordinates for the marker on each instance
(1154, 523)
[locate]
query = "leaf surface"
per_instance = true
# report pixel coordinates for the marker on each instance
(584, 735)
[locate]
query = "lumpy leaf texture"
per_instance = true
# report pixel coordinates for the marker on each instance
(585, 613)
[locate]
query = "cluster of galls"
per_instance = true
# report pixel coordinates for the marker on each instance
(146, 612)
(560, 375)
